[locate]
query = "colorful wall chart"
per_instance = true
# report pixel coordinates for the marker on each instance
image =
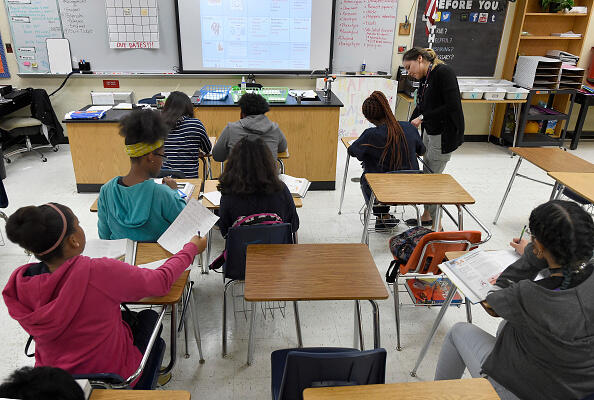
(3, 66)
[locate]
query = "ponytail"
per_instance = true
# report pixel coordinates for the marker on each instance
(377, 108)
(427, 54)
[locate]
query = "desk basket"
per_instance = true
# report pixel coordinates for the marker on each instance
(214, 92)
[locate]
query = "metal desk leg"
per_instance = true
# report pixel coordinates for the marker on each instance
(491, 117)
(251, 340)
(206, 258)
(196, 323)
(376, 325)
(460, 217)
(517, 119)
(509, 185)
(173, 344)
(358, 331)
(437, 221)
(444, 308)
(298, 325)
(365, 236)
(282, 166)
(344, 179)
(556, 191)
(560, 192)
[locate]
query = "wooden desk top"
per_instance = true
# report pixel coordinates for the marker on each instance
(409, 99)
(459, 389)
(554, 159)
(418, 189)
(194, 195)
(104, 394)
(149, 252)
(291, 272)
(345, 140)
(580, 182)
(211, 186)
(452, 255)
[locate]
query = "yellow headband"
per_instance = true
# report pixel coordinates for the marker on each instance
(141, 148)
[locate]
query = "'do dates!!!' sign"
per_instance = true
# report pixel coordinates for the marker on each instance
(466, 34)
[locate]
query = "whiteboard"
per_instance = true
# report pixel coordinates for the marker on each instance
(364, 31)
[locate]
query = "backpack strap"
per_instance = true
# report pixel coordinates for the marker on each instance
(392, 271)
(27, 347)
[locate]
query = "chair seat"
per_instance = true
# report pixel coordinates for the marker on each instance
(8, 124)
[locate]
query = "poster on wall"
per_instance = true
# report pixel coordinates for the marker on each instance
(465, 34)
(133, 24)
(3, 66)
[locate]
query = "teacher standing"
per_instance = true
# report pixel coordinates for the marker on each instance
(438, 113)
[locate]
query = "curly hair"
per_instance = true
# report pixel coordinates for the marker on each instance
(36, 229)
(143, 126)
(566, 231)
(250, 169)
(253, 104)
(377, 108)
(177, 105)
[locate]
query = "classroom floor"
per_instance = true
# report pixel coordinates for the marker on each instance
(483, 169)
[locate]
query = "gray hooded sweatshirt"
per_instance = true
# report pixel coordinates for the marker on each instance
(252, 126)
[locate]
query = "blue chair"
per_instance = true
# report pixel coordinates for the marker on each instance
(149, 100)
(238, 239)
(294, 370)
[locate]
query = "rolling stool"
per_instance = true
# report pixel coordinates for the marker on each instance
(26, 126)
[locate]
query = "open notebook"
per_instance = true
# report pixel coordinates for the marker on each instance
(297, 186)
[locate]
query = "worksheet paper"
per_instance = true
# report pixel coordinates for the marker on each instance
(475, 273)
(97, 248)
(194, 218)
(159, 263)
(213, 197)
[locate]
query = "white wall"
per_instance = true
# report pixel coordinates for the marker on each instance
(76, 92)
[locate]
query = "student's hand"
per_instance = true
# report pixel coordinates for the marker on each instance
(488, 309)
(170, 182)
(416, 122)
(200, 242)
(519, 245)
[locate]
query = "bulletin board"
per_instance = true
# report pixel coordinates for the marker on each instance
(3, 66)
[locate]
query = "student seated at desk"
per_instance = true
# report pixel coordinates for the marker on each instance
(544, 348)
(70, 303)
(134, 206)
(187, 140)
(389, 146)
(250, 185)
(253, 123)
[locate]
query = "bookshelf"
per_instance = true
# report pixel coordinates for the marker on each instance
(529, 17)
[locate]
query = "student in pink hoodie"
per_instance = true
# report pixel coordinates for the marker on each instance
(70, 303)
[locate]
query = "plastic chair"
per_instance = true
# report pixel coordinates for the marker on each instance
(155, 350)
(238, 239)
(294, 370)
(425, 260)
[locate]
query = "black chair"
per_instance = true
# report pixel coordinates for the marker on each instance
(294, 370)
(153, 356)
(238, 239)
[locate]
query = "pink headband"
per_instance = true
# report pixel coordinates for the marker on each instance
(64, 225)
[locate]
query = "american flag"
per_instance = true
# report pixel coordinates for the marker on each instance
(430, 14)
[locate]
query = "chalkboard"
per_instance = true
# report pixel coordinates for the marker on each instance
(467, 34)
(364, 31)
(85, 24)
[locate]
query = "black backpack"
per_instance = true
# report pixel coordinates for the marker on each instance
(402, 247)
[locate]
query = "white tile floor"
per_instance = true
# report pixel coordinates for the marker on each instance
(483, 169)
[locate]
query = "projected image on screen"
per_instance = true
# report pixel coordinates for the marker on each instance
(256, 34)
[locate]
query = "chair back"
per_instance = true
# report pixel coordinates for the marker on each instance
(318, 369)
(238, 238)
(431, 249)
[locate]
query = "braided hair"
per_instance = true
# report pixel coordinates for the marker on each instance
(377, 108)
(567, 232)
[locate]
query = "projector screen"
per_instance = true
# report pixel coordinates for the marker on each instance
(234, 36)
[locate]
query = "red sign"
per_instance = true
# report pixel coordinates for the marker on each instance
(111, 83)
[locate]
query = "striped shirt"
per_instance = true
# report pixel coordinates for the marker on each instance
(183, 146)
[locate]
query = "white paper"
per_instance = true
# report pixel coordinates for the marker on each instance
(154, 264)
(297, 186)
(97, 248)
(475, 272)
(123, 106)
(99, 108)
(194, 218)
(213, 197)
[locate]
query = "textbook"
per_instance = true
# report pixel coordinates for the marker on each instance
(185, 189)
(297, 186)
(476, 272)
(430, 291)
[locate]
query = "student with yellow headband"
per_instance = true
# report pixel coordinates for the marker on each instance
(134, 206)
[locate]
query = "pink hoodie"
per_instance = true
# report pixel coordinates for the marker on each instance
(74, 313)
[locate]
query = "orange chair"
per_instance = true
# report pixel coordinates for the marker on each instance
(425, 260)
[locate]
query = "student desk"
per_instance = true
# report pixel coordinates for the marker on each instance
(580, 182)
(404, 189)
(195, 194)
(586, 100)
(460, 389)
(311, 129)
(106, 394)
(346, 141)
(549, 159)
(307, 272)
(149, 252)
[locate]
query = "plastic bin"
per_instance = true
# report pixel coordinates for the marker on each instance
(493, 93)
(214, 92)
(275, 94)
(472, 94)
(515, 93)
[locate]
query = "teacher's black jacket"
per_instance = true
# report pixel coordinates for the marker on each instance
(441, 107)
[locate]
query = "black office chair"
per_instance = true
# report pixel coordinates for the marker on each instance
(294, 370)
(238, 239)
